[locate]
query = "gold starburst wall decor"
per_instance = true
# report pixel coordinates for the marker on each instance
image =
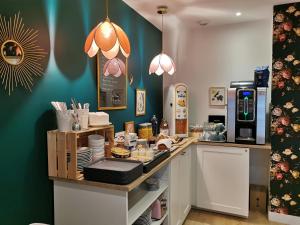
(20, 55)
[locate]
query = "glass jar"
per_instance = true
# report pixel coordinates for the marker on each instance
(164, 127)
(143, 131)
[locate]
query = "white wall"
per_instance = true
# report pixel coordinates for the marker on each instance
(214, 56)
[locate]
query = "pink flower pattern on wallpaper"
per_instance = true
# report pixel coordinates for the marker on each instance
(285, 127)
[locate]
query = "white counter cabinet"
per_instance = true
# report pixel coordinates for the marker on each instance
(180, 187)
(222, 179)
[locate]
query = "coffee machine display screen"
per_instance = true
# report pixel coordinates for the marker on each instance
(246, 105)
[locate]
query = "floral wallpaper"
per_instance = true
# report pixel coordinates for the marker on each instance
(285, 128)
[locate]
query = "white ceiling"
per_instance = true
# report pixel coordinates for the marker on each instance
(215, 12)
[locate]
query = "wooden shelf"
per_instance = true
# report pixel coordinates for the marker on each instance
(139, 200)
(159, 222)
(62, 143)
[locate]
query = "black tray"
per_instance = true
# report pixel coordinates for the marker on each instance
(157, 160)
(113, 171)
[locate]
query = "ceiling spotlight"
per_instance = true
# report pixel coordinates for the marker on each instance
(238, 13)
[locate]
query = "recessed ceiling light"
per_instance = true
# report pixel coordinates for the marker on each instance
(238, 13)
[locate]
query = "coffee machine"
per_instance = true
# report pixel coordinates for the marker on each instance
(246, 113)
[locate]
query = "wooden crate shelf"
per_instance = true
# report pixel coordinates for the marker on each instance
(61, 143)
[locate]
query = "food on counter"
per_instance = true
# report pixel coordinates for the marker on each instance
(175, 139)
(162, 136)
(196, 131)
(98, 119)
(164, 144)
(145, 131)
(142, 152)
(142, 156)
(120, 152)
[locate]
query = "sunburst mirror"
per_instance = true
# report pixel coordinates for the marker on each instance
(20, 55)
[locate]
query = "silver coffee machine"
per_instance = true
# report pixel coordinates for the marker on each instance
(246, 113)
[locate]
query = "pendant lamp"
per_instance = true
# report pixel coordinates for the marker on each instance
(115, 67)
(109, 38)
(162, 62)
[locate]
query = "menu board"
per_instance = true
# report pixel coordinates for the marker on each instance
(112, 91)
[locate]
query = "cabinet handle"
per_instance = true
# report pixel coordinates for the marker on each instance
(246, 150)
(183, 153)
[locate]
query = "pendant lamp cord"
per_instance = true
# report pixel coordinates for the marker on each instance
(107, 9)
(162, 30)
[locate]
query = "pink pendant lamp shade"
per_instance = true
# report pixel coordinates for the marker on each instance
(109, 38)
(115, 67)
(162, 63)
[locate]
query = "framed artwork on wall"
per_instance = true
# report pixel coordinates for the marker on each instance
(129, 127)
(217, 96)
(140, 108)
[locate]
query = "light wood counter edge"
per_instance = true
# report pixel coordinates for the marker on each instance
(227, 144)
(145, 176)
(138, 181)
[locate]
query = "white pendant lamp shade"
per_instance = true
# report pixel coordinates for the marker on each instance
(109, 38)
(115, 67)
(162, 63)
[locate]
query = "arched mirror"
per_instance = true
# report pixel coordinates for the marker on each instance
(12, 52)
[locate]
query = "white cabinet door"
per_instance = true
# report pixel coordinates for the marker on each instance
(223, 179)
(186, 188)
(180, 187)
(174, 187)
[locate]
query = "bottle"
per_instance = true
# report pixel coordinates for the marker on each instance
(154, 123)
(164, 127)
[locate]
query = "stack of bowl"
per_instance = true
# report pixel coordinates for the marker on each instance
(96, 144)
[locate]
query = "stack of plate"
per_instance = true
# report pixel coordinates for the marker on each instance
(96, 144)
(84, 157)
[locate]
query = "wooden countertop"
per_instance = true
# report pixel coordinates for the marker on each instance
(227, 144)
(138, 181)
(145, 176)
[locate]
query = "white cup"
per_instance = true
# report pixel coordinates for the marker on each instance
(64, 120)
(83, 117)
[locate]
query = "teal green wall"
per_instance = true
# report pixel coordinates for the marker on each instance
(26, 195)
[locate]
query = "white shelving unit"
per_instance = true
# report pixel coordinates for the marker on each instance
(159, 222)
(140, 200)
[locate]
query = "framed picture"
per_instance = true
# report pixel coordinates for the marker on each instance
(129, 127)
(140, 108)
(217, 96)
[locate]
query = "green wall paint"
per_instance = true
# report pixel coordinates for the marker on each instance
(26, 194)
